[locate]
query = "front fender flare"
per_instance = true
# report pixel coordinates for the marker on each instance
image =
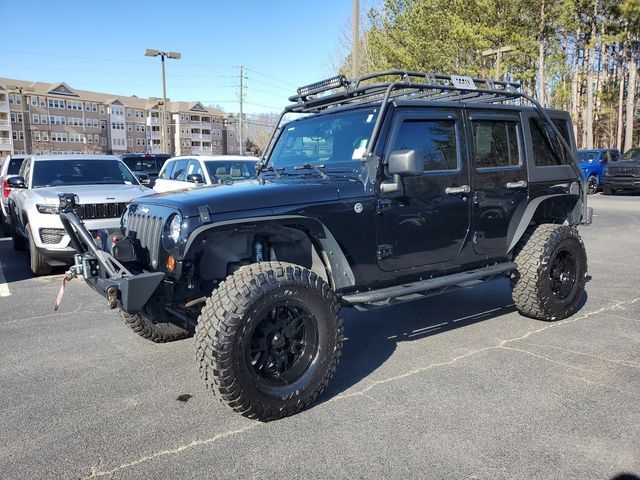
(321, 238)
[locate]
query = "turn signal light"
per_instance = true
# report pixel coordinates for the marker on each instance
(171, 263)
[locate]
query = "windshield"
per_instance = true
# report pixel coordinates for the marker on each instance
(230, 171)
(587, 157)
(632, 155)
(325, 139)
(51, 173)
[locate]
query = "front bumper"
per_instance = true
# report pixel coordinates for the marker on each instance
(626, 183)
(104, 273)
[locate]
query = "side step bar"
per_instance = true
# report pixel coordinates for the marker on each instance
(425, 288)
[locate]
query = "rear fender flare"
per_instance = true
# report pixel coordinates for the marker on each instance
(322, 240)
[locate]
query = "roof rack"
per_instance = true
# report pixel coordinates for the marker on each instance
(401, 84)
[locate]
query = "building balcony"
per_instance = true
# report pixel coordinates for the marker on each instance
(199, 123)
(153, 120)
(154, 149)
(201, 150)
(154, 135)
(5, 144)
(201, 136)
(5, 125)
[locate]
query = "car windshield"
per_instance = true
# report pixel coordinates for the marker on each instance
(324, 139)
(51, 173)
(632, 155)
(587, 157)
(222, 171)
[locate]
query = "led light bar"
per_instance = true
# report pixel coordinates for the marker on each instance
(323, 86)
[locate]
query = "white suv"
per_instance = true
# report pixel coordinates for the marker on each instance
(186, 172)
(9, 168)
(103, 183)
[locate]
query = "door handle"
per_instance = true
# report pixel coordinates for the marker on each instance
(520, 184)
(457, 190)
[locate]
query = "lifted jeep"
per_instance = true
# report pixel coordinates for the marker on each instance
(391, 187)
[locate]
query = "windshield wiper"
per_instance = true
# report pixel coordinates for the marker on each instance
(276, 170)
(308, 166)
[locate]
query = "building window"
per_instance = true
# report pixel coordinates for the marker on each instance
(101, 109)
(36, 135)
(34, 101)
(129, 127)
(45, 136)
(43, 101)
(14, 135)
(43, 119)
(96, 138)
(89, 138)
(36, 118)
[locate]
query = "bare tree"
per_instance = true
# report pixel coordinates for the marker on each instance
(259, 128)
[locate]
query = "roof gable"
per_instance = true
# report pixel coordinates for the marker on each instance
(62, 89)
(198, 107)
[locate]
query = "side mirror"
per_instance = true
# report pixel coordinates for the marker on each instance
(195, 178)
(144, 179)
(405, 163)
(16, 182)
(401, 163)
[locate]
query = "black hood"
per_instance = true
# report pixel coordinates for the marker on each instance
(257, 194)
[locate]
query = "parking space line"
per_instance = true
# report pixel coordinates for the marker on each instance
(4, 288)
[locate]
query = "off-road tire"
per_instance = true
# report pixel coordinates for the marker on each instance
(608, 191)
(531, 283)
(234, 312)
(37, 261)
(158, 332)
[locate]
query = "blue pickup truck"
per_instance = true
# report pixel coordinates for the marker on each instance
(592, 164)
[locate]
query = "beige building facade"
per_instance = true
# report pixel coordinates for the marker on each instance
(38, 117)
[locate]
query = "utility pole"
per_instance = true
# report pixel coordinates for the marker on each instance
(23, 99)
(355, 55)
(175, 55)
(498, 53)
(241, 121)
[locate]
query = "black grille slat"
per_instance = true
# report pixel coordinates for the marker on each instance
(91, 211)
(146, 230)
(624, 172)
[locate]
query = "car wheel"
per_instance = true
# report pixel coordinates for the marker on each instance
(592, 185)
(268, 340)
(17, 240)
(156, 331)
(552, 267)
(38, 262)
(4, 225)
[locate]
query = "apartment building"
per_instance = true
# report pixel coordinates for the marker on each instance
(38, 117)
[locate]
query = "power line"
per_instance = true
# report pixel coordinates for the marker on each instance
(269, 84)
(271, 77)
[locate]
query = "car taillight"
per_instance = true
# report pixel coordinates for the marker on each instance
(6, 189)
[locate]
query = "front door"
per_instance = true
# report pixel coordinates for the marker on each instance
(428, 223)
(499, 178)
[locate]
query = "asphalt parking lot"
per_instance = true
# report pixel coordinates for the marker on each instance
(457, 386)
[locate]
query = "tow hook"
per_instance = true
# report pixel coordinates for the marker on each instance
(112, 297)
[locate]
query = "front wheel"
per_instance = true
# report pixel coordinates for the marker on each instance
(552, 268)
(592, 185)
(268, 340)
(37, 261)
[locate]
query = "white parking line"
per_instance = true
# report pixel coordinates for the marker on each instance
(4, 288)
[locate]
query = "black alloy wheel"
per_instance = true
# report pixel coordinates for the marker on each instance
(592, 185)
(563, 273)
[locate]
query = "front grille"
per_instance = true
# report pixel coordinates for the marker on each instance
(146, 232)
(624, 172)
(89, 211)
(52, 236)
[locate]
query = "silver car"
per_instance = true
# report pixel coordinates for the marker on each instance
(103, 183)
(9, 168)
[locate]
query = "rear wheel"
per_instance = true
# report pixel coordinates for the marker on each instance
(552, 267)
(592, 185)
(268, 340)
(17, 239)
(37, 261)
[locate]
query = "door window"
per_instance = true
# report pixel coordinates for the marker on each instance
(179, 170)
(167, 171)
(495, 144)
(25, 171)
(433, 140)
(614, 156)
(194, 167)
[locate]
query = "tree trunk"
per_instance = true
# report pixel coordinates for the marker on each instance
(575, 78)
(631, 101)
(621, 78)
(541, 84)
(588, 111)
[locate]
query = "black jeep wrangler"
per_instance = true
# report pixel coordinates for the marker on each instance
(389, 188)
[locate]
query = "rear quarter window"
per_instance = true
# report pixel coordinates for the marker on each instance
(548, 150)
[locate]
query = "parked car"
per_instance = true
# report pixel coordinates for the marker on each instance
(9, 168)
(145, 164)
(593, 163)
(623, 175)
(377, 194)
(191, 171)
(103, 183)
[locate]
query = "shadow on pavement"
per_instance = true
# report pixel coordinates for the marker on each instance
(15, 264)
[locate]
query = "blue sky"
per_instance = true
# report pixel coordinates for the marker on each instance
(100, 46)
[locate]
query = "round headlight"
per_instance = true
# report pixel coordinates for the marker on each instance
(123, 220)
(172, 232)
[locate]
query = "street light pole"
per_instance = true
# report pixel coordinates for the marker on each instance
(175, 55)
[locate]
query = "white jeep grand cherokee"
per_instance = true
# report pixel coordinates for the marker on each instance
(103, 183)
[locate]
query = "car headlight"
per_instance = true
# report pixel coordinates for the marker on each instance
(123, 220)
(50, 209)
(172, 231)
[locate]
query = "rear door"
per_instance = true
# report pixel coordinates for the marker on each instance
(500, 187)
(428, 224)
(173, 176)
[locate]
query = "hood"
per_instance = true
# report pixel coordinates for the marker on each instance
(257, 194)
(632, 163)
(94, 193)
